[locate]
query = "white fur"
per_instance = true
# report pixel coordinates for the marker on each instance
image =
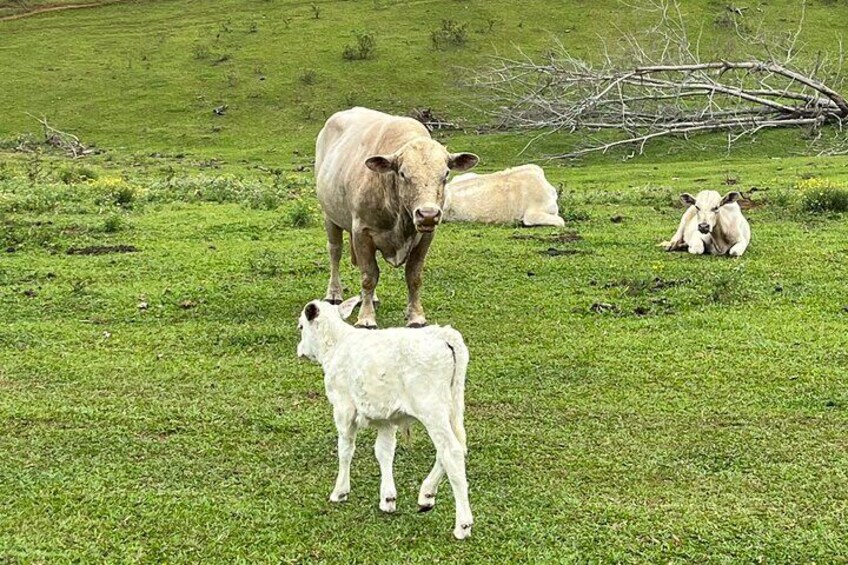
(387, 378)
(521, 193)
(729, 232)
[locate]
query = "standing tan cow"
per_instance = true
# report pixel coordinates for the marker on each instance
(381, 178)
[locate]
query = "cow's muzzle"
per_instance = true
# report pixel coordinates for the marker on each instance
(427, 218)
(704, 228)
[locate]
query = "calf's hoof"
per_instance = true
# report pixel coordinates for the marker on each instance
(416, 324)
(462, 531)
(338, 497)
(388, 504)
(366, 326)
(426, 502)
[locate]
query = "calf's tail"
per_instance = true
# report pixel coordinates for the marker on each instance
(460, 357)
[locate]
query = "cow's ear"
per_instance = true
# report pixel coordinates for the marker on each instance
(687, 199)
(381, 164)
(462, 161)
(730, 197)
(346, 307)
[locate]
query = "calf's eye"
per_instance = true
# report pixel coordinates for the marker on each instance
(715, 209)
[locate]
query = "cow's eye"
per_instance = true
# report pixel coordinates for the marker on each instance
(698, 209)
(300, 327)
(403, 175)
(715, 209)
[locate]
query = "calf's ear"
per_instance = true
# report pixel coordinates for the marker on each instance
(730, 197)
(462, 161)
(311, 311)
(346, 307)
(687, 199)
(381, 164)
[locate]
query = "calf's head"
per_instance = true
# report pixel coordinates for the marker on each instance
(316, 326)
(707, 205)
(421, 168)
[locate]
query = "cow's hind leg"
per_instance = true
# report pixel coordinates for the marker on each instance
(538, 218)
(366, 259)
(335, 243)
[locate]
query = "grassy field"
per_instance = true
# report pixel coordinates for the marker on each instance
(623, 404)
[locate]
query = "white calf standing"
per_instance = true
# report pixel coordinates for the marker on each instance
(388, 378)
(521, 193)
(711, 224)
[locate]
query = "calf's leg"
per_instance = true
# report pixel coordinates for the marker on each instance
(451, 456)
(384, 449)
(429, 488)
(345, 418)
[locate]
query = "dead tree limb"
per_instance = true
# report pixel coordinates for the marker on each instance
(67, 142)
(659, 86)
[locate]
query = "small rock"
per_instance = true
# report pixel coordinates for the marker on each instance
(617, 219)
(778, 288)
(531, 274)
(143, 305)
(10, 249)
(107, 334)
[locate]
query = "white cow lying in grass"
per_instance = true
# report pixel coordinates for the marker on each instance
(388, 378)
(521, 193)
(711, 224)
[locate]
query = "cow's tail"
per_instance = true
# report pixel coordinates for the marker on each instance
(459, 351)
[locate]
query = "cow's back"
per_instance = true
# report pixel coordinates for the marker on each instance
(503, 196)
(349, 138)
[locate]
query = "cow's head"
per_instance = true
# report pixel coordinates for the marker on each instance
(421, 169)
(707, 205)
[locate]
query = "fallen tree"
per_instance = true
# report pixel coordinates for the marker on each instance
(660, 86)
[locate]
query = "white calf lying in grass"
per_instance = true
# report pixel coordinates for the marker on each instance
(711, 224)
(520, 193)
(388, 378)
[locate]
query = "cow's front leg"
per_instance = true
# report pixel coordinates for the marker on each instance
(414, 268)
(366, 259)
(334, 248)
(697, 246)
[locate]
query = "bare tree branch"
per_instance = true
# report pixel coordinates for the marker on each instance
(661, 87)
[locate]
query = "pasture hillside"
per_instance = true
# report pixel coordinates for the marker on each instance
(145, 76)
(623, 404)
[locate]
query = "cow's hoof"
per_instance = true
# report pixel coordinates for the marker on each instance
(422, 508)
(367, 326)
(416, 325)
(333, 301)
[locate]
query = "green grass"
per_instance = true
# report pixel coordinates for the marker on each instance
(623, 404)
(701, 419)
